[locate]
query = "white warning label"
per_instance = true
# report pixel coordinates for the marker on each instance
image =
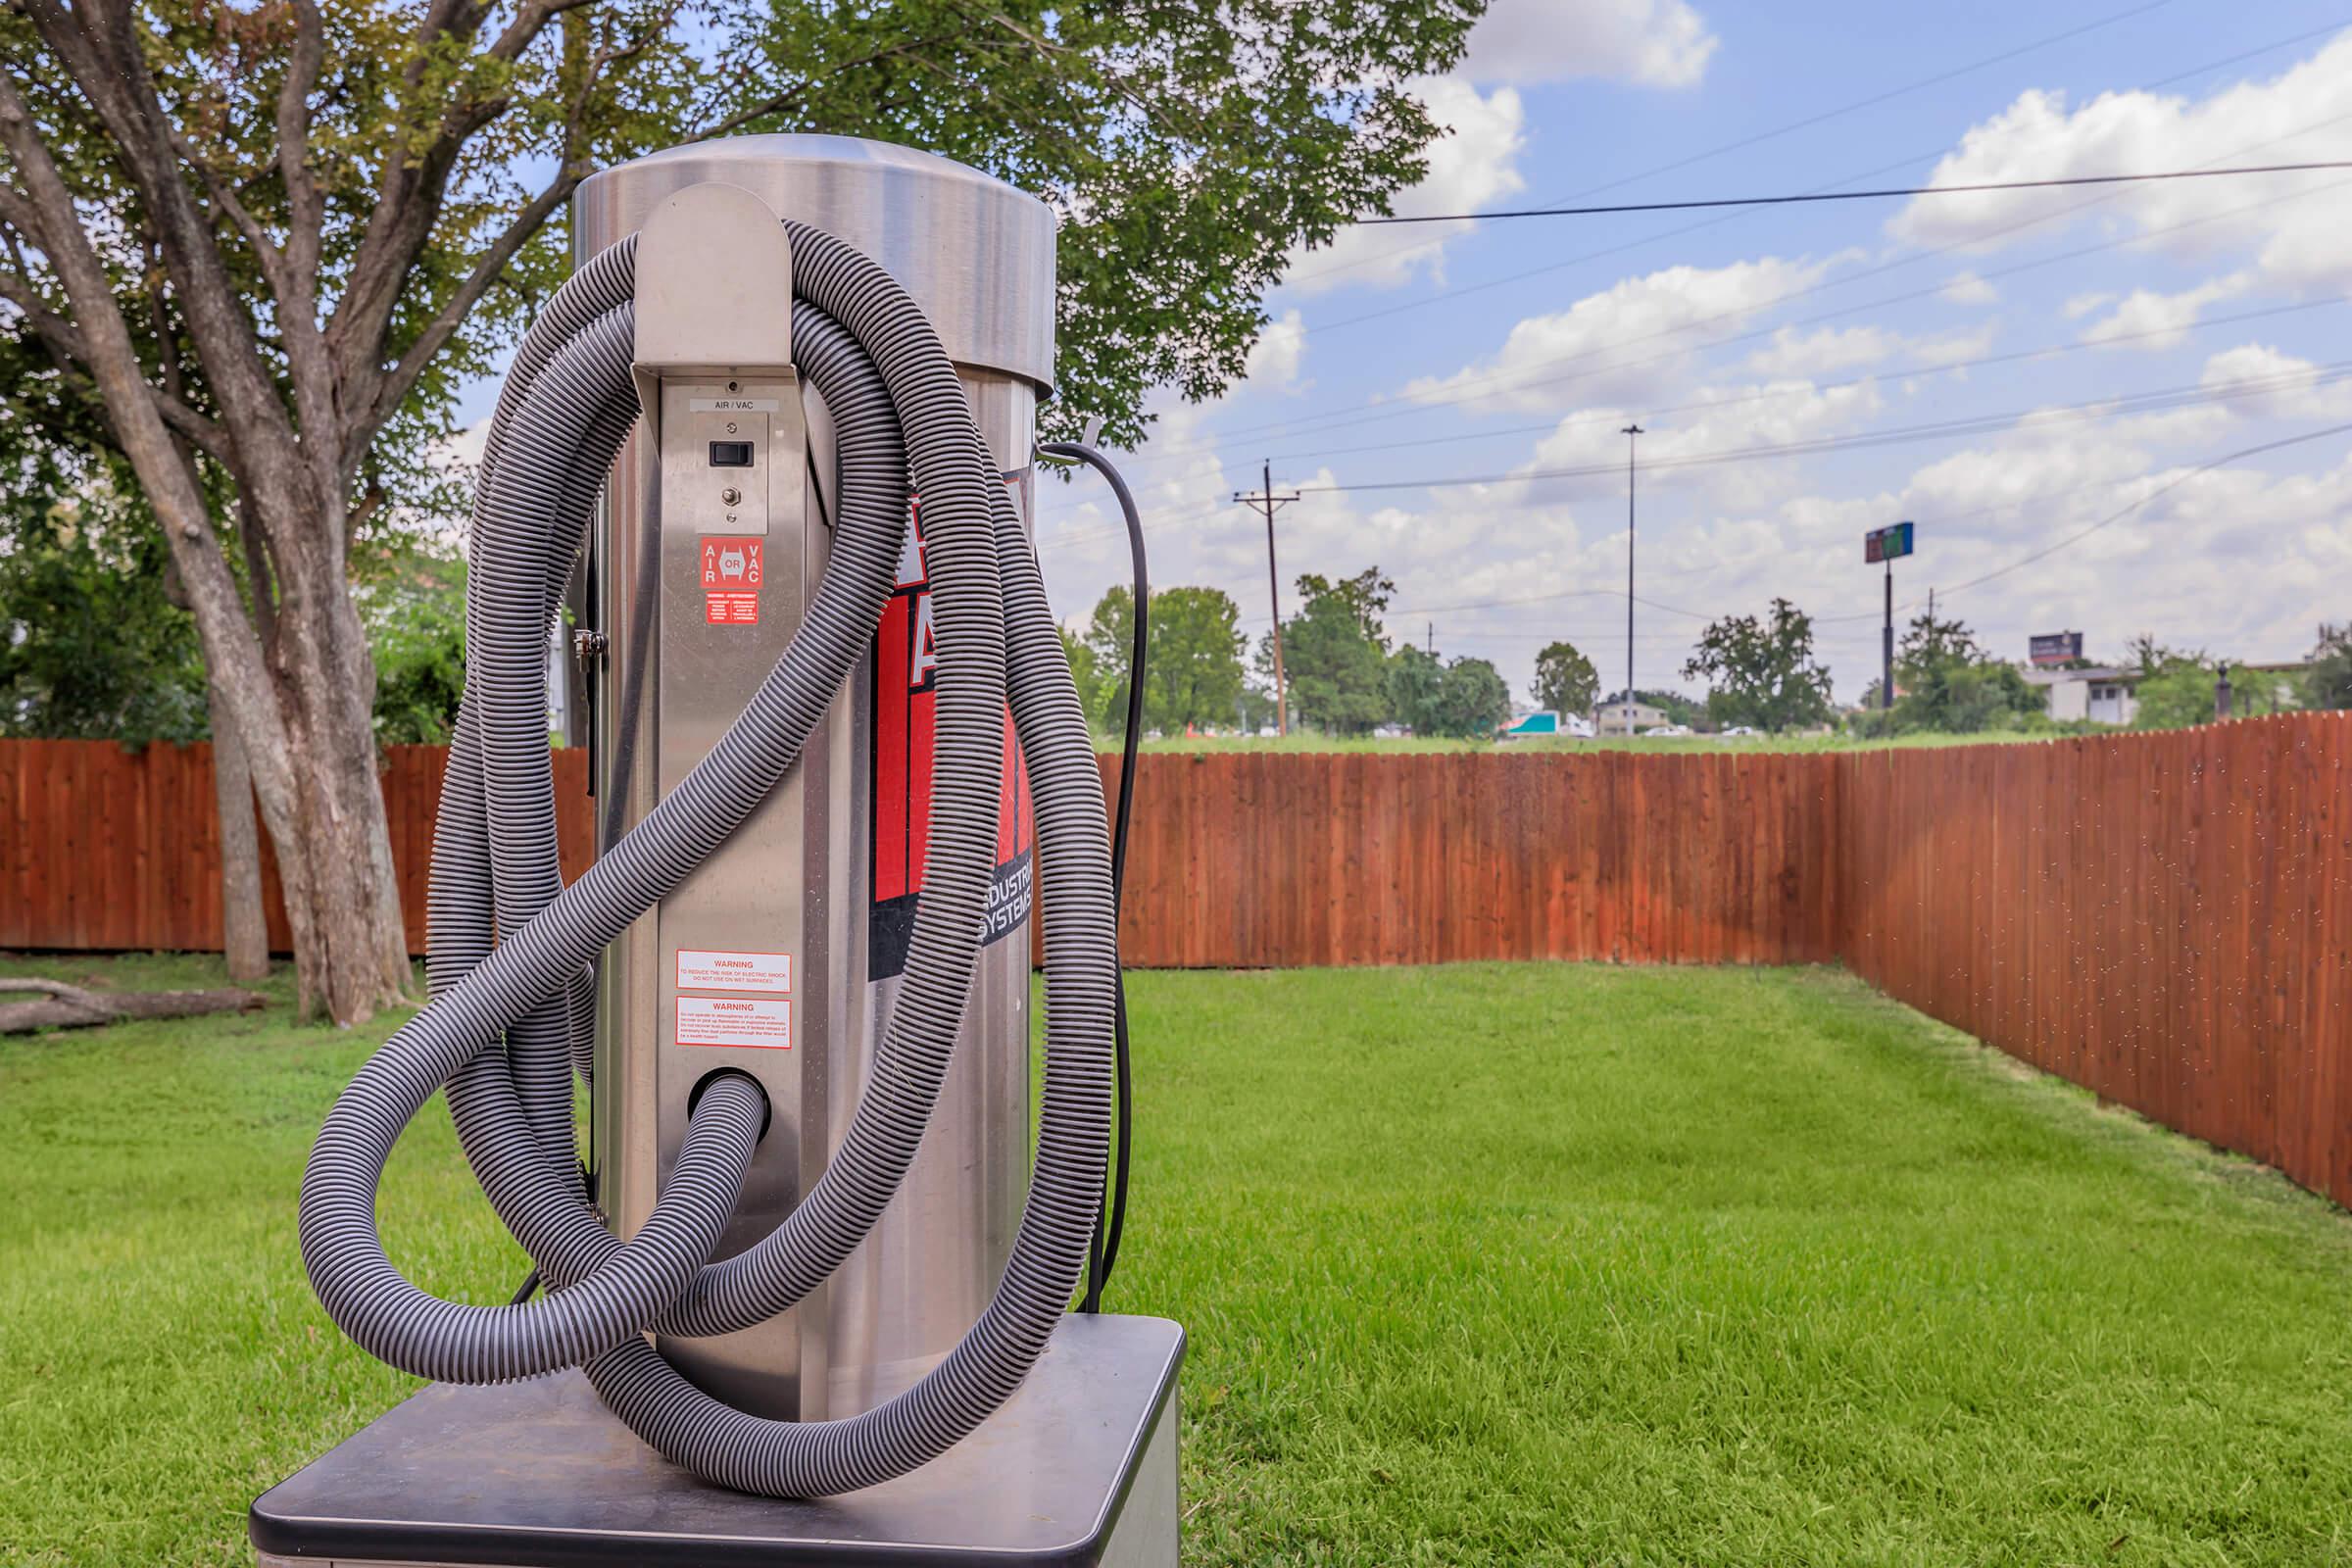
(720, 970)
(757, 1021)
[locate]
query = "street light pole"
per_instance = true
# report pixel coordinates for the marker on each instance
(1632, 434)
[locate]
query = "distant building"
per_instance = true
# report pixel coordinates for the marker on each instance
(1629, 718)
(2100, 693)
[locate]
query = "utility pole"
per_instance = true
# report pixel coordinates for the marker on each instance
(1632, 434)
(1433, 639)
(1269, 502)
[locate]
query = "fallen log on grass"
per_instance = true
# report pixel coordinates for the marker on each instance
(54, 1004)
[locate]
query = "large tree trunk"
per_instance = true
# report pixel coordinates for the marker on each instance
(333, 840)
(244, 930)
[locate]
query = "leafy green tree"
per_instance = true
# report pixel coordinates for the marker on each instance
(2177, 693)
(1195, 663)
(1565, 680)
(91, 646)
(1110, 641)
(1947, 682)
(2328, 681)
(1365, 595)
(1473, 701)
(1333, 658)
(1415, 681)
(253, 250)
(1193, 669)
(1461, 697)
(417, 630)
(1086, 673)
(1762, 672)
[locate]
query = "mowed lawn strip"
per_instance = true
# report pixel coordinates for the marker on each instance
(1481, 1263)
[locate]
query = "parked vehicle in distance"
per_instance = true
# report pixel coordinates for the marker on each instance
(1545, 722)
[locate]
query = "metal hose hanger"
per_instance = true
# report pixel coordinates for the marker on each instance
(511, 1013)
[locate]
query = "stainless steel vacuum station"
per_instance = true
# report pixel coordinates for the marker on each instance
(807, 1298)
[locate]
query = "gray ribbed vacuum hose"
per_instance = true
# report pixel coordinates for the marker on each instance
(512, 948)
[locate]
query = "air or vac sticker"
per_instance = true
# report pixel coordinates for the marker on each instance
(720, 970)
(761, 1022)
(905, 668)
(731, 577)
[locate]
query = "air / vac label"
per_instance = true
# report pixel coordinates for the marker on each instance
(906, 666)
(732, 572)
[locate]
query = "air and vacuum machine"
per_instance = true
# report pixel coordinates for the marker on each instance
(807, 1298)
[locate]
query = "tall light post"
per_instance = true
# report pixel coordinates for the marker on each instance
(1632, 434)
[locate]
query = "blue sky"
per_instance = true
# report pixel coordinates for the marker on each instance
(2212, 309)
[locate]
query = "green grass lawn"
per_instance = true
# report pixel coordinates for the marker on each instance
(1480, 1264)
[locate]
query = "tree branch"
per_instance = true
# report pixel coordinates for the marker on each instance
(226, 197)
(779, 101)
(306, 210)
(395, 384)
(528, 24)
(95, 42)
(69, 353)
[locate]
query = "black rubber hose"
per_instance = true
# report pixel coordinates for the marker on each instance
(1103, 1255)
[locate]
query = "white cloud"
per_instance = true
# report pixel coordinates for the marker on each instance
(1475, 165)
(1656, 43)
(2080, 305)
(1631, 330)
(1967, 288)
(2263, 381)
(2292, 224)
(2147, 319)
(1831, 349)
(1724, 419)
(1277, 355)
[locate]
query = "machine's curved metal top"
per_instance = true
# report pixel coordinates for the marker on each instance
(976, 254)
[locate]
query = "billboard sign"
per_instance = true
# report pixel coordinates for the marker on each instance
(2055, 647)
(1890, 543)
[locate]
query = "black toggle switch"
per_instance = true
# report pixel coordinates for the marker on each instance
(730, 454)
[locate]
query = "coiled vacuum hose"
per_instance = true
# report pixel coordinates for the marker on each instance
(511, 947)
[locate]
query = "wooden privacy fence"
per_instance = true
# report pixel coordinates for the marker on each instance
(2166, 918)
(1236, 860)
(103, 848)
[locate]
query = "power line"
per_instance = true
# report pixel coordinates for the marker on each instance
(1443, 295)
(1792, 198)
(1481, 387)
(2149, 401)
(2317, 375)
(2077, 345)
(2162, 489)
(1792, 126)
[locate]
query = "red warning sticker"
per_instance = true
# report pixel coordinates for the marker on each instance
(732, 572)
